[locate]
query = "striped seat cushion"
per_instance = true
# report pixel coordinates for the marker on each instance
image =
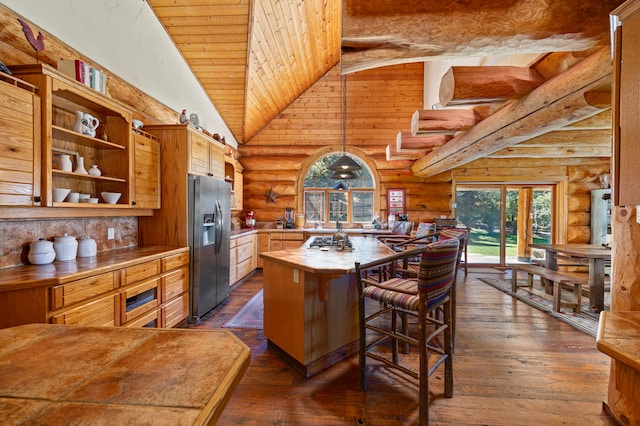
(388, 292)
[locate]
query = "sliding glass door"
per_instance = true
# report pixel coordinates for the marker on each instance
(504, 220)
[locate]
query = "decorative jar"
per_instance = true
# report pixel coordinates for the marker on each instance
(66, 247)
(41, 252)
(87, 247)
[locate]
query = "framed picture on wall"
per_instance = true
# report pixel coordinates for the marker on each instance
(396, 203)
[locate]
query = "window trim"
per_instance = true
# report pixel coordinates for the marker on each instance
(311, 159)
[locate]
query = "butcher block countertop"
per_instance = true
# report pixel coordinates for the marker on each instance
(330, 260)
(54, 374)
(56, 273)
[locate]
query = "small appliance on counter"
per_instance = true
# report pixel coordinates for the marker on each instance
(249, 220)
(289, 222)
(279, 223)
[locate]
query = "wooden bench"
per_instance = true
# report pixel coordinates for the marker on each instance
(558, 278)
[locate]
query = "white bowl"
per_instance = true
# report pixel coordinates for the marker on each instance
(93, 200)
(110, 197)
(59, 194)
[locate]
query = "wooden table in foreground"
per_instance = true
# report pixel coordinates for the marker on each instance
(619, 337)
(593, 255)
(311, 302)
(55, 375)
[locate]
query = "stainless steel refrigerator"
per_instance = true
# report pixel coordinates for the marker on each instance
(209, 230)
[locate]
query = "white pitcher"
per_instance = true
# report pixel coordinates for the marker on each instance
(90, 124)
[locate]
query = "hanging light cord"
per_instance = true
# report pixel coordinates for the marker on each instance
(344, 114)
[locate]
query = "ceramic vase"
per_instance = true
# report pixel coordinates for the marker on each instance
(65, 163)
(80, 167)
(95, 171)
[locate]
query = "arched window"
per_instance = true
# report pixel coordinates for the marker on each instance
(329, 200)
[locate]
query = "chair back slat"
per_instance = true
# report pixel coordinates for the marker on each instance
(437, 269)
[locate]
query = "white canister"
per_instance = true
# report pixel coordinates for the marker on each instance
(66, 247)
(41, 252)
(87, 247)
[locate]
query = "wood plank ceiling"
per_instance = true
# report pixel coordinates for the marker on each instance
(255, 57)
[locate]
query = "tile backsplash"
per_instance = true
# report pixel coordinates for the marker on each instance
(16, 235)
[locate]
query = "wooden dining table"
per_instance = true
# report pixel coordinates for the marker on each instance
(592, 255)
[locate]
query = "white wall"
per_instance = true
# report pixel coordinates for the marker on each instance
(125, 38)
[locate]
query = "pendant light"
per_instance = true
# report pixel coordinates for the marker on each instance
(344, 174)
(345, 163)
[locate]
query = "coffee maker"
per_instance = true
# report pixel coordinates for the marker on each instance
(289, 218)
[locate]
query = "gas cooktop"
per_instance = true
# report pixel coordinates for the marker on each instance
(319, 242)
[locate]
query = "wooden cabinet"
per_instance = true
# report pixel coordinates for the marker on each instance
(146, 171)
(19, 143)
(179, 145)
(243, 259)
(190, 151)
(154, 293)
(233, 174)
(626, 106)
(282, 240)
(61, 98)
(285, 240)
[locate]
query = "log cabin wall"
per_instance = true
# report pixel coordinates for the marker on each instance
(380, 103)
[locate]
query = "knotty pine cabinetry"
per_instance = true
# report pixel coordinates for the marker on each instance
(278, 240)
(19, 143)
(243, 257)
(182, 152)
(146, 170)
(149, 292)
(189, 150)
(233, 174)
(61, 97)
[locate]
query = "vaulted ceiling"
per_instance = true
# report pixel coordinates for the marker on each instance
(255, 57)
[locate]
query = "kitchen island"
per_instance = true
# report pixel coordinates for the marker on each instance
(311, 302)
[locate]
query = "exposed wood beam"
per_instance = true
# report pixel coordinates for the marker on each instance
(405, 141)
(560, 101)
(442, 121)
(480, 85)
(394, 154)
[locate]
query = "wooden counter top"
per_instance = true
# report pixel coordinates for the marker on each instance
(31, 276)
(330, 261)
(619, 336)
(101, 375)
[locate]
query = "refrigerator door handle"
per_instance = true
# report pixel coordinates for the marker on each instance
(219, 226)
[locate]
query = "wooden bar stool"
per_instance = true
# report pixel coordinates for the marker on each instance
(418, 298)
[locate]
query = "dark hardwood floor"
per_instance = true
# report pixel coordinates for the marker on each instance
(513, 365)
